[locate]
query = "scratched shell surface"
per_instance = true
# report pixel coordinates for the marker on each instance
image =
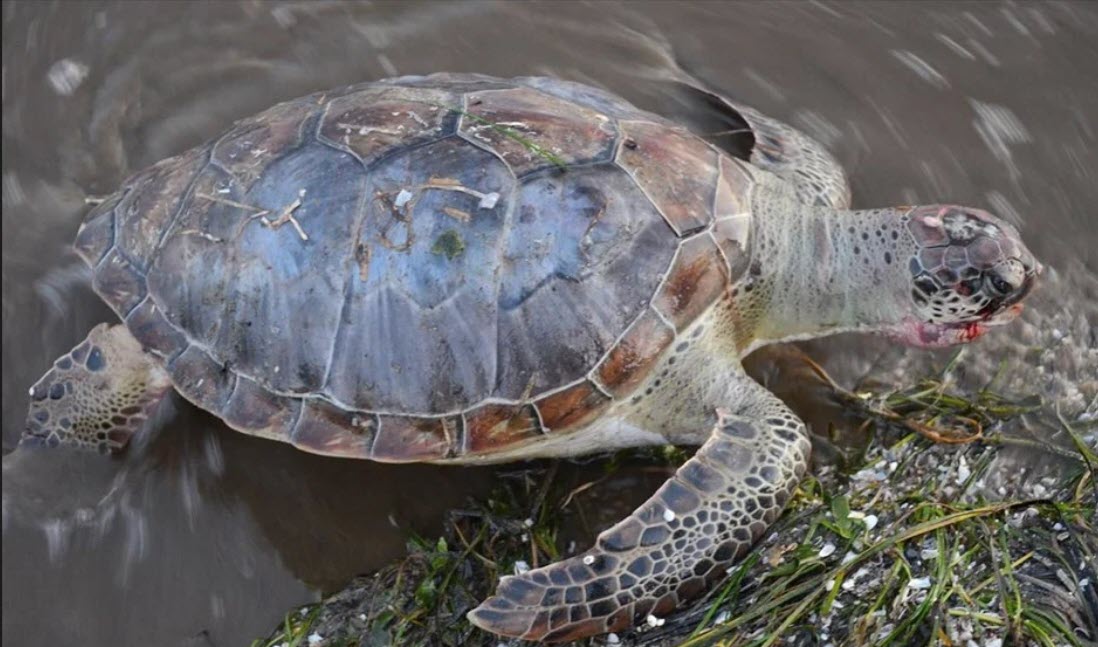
(422, 267)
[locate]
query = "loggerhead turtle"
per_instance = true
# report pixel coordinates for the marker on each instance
(464, 269)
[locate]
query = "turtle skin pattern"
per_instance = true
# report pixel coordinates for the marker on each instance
(422, 268)
(673, 547)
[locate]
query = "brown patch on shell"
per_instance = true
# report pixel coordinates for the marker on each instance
(677, 171)
(324, 428)
(695, 280)
(202, 380)
(554, 131)
(380, 119)
(402, 439)
(152, 202)
(246, 150)
(151, 328)
(119, 283)
(255, 410)
(494, 426)
(635, 355)
(734, 186)
(731, 235)
(571, 407)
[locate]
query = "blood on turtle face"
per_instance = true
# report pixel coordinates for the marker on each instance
(969, 271)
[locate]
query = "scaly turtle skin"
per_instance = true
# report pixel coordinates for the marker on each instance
(463, 269)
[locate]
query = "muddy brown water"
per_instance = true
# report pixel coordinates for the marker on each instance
(201, 536)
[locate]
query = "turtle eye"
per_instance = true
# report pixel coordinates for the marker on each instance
(1000, 285)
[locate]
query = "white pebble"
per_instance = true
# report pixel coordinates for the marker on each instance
(521, 567)
(529, 523)
(928, 553)
(653, 621)
(402, 198)
(870, 521)
(722, 618)
(919, 583)
(828, 550)
(612, 639)
(668, 515)
(315, 638)
(588, 559)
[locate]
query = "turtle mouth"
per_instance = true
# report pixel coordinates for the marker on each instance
(940, 335)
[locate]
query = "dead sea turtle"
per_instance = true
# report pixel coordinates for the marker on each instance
(463, 269)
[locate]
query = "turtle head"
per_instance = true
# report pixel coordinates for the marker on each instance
(969, 271)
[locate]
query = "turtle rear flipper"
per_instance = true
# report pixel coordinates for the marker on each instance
(97, 395)
(674, 545)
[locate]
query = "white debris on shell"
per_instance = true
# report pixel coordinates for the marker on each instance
(653, 621)
(489, 200)
(403, 198)
(668, 515)
(66, 75)
(588, 559)
(612, 639)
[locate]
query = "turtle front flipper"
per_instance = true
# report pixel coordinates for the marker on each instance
(815, 174)
(675, 545)
(97, 395)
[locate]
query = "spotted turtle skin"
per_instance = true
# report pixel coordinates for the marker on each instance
(468, 265)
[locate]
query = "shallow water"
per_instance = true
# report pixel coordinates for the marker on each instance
(201, 536)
